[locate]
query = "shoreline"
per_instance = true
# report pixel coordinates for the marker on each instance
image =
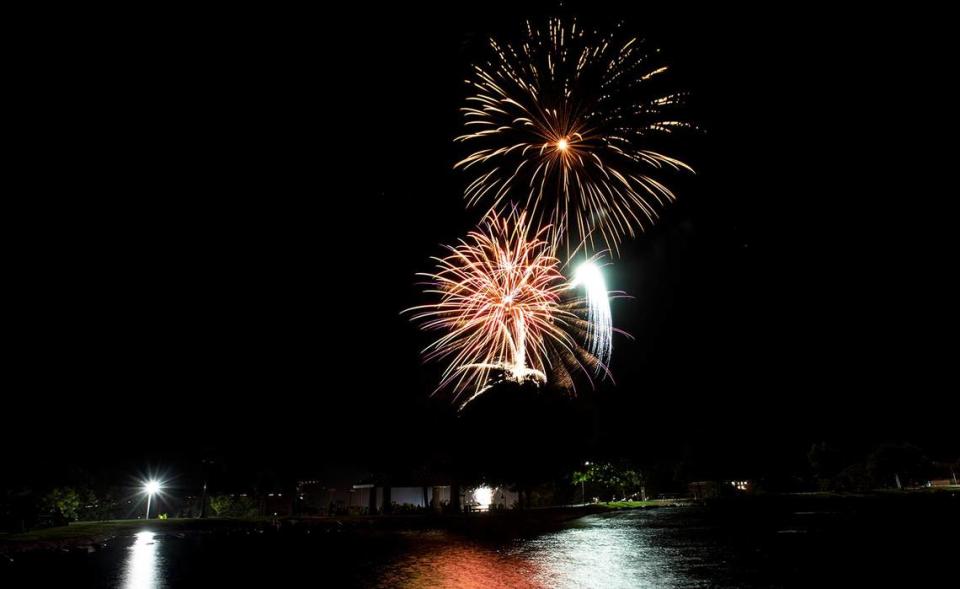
(94, 535)
(91, 535)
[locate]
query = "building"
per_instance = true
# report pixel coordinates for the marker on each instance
(701, 490)
(315, 498)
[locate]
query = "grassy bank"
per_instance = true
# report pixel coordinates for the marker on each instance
(94, 532)
(98, 531)
(634, 504)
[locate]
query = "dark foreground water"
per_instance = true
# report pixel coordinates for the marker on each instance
(855, 544)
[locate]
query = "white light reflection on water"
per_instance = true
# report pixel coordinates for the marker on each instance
(142, 566)
(622, 550)
(610, 553)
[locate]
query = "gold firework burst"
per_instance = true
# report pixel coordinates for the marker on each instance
(564, 126)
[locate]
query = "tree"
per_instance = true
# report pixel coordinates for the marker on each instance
(896, 464)
(827, 466)
(825, 460)
(610, 478)
(63, 501)
(233, 506)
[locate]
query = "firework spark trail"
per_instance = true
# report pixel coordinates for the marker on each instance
(504, 309)
(563, 126)
(599, 319)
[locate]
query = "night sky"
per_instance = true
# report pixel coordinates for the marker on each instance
(225, 213)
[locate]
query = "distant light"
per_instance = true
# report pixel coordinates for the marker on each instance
(483, 496)
(151, 487)
(563, 144)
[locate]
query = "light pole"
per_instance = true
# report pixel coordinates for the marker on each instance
(583, 492)
(151, 488)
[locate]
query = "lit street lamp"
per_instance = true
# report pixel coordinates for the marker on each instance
(151, 488)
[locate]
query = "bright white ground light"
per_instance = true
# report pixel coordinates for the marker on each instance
(484, 497)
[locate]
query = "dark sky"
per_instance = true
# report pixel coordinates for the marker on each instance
(223, 215)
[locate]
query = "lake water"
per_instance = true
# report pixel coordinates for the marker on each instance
(858, 545)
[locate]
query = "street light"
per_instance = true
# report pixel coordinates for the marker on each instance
(583, 493)
(151, 488)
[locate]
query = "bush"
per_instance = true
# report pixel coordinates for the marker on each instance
(233, 506)
(62, 501)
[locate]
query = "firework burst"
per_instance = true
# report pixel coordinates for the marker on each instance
(563, 125)
(505, 310)
(599, 318)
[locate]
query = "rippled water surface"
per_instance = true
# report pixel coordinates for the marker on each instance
(673, 547)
